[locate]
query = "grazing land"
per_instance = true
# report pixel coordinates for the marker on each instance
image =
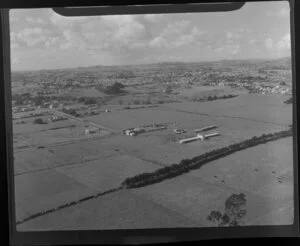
(81, 132)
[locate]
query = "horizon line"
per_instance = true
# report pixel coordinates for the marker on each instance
(154, 63)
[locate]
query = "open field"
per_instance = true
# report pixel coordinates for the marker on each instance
(106, 173)
(205, 91)
(192, 196)
(105, 213)
(63, 154)
(233, 174)
(86, 93)
(256, 108)
(72, 182)
(36, 192)
(265, 108)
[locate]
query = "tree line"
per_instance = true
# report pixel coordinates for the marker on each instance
(187, 165)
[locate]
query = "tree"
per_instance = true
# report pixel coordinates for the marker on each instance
(234, 208)
(136, 102)
(81, 99)
(19, 102)
(234, 211)
(90, 100)
(169, 89)
(119, 85)
(38, 121)
(116, 88)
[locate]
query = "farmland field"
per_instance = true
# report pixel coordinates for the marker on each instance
(40, 191)
(102, 164)
(107, 173)
(192, 196)
(265, 108)
(90, 153)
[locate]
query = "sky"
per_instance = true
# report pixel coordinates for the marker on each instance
(42, 39)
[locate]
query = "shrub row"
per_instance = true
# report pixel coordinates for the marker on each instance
(66, 205)
(189, 164)
(212, 98)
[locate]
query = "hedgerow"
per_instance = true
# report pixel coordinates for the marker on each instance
(186, 165)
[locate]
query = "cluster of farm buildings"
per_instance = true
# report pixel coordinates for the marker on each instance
(148, 128)
(155, 127)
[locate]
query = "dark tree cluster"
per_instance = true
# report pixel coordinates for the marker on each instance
(116, 88)
(39, 121)
(88, 100)
(289, 101)
(234, 211)
(71, 111)
(212, 98)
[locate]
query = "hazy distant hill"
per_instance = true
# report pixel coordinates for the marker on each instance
(282, 63)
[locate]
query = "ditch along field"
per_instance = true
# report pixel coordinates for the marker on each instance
(94, 166)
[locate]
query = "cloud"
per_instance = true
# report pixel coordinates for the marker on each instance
(189, 38)
(283, 12)
(16, 61)
(128, 32)
(284, 44)
(236, 49)
(158, 42)
(13, 36)
(269, 43)
(13, 18)
(176, 28)
(252, 41)
(153, 18)
(35, 20)
(72, 40)
(281, 47)
(29, 31)
(14, 45)
(31, 36)
(104, 32)
(176, 35)
(232, 35)
(52, 41)
(12, 15)
(219, 49)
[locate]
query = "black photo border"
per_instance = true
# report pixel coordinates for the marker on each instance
(129, 235)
